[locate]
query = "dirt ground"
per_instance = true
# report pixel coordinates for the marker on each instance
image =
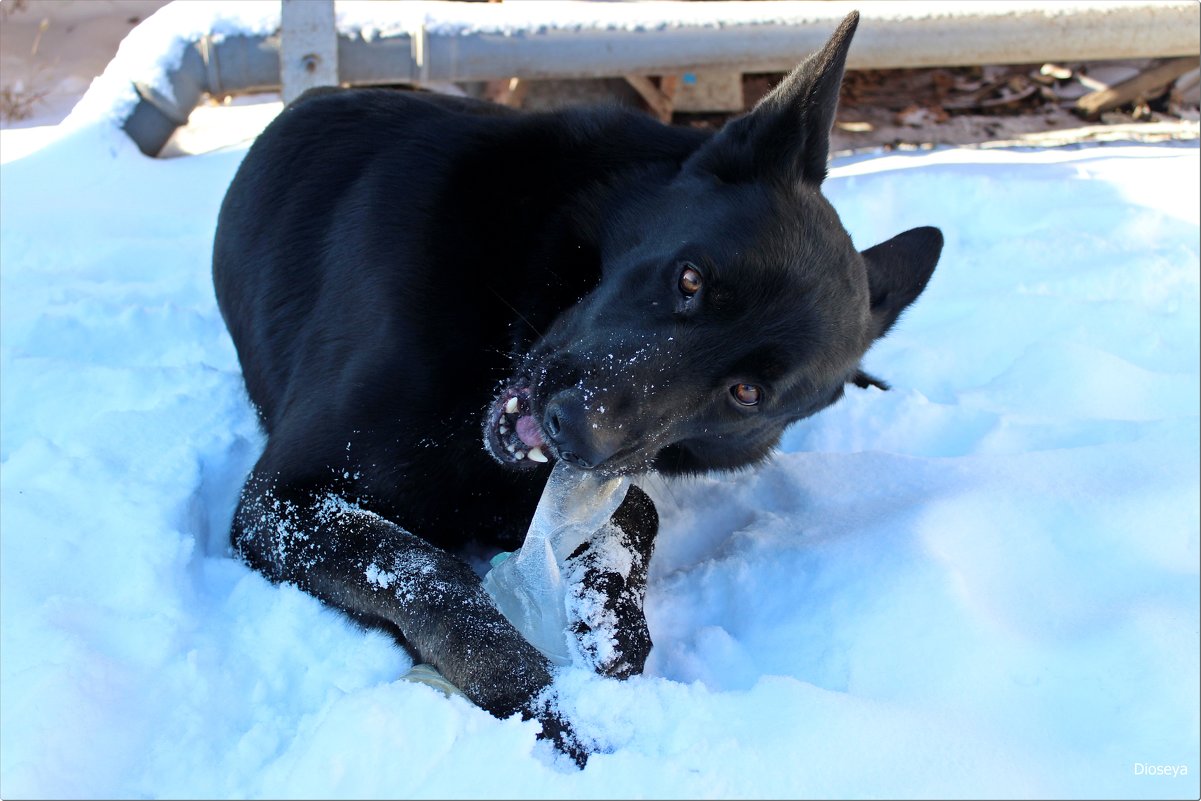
(50, 50)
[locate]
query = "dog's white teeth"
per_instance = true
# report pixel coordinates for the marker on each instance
(536, 455)
(511, 406)
(510, 447)
(519, 455)
(504, 429)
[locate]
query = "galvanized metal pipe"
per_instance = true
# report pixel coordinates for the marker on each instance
(420, 42)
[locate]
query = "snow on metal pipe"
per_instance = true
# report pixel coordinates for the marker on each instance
(564, 40)
(429, 40)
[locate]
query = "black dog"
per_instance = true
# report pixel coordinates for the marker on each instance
(433, 297)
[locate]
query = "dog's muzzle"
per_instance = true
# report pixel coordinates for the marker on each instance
(575, 422)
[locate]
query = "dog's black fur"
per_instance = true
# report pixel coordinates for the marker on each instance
(395, 268)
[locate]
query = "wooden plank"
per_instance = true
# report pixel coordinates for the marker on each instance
(308, 46)
(659, 101)
(669, 85)
(709, 90)
(1141, 85)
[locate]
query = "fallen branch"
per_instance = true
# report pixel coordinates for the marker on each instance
(1142, 85)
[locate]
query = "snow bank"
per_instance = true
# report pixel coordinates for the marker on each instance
(153, 50)
(982, 583)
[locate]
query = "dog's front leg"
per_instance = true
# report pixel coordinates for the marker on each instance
(380, 573)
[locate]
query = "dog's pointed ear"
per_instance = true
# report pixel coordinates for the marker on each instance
(787, 134)
(897, 272)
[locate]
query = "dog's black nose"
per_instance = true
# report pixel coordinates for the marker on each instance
(581, 434)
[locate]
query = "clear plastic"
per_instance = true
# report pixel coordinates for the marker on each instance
(528, 586)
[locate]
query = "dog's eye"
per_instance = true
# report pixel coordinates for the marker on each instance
(746, 394)
(690, 280)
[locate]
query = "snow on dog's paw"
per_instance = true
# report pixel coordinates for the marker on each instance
(606, 577)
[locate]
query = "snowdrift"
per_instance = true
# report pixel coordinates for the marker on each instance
(982, 583)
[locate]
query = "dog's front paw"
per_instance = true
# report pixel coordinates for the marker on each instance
(556, 729)
(608, 624)
(606, 577)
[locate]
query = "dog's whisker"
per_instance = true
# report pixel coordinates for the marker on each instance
(513, 309)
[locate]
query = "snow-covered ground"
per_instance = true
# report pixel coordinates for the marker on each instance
(983, 583)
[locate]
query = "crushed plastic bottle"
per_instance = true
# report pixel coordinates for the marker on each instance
(528, 586)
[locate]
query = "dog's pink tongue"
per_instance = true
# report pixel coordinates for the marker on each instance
(527, 431)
